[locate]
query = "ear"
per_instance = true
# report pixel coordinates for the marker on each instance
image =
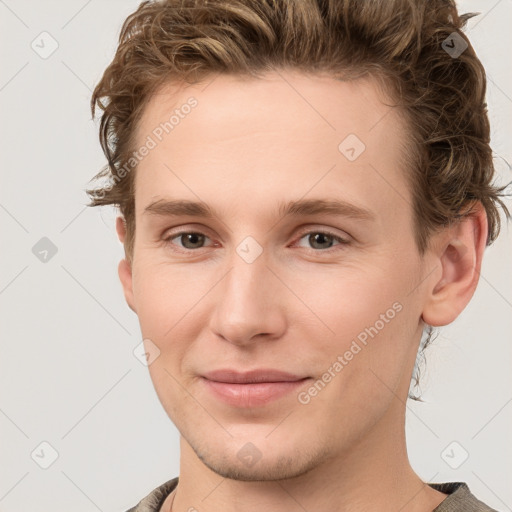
(124, 269)
(458, 251)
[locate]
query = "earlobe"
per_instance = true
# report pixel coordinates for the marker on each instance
(459, 255)
(124, 268)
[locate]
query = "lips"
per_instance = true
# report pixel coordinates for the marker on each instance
(251, 377)
(255, 388)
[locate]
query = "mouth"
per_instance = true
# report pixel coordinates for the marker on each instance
(251, 389)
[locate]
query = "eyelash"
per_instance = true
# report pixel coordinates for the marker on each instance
(341, 241)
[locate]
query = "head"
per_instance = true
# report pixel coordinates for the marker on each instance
(339, 159)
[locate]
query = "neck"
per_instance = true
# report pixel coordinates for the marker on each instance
(373, 474)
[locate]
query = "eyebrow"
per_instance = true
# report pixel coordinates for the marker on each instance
(297, 208)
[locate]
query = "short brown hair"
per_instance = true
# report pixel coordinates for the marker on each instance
(404, 44)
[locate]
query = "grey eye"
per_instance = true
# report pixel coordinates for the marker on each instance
(190, 240)
(319, 240)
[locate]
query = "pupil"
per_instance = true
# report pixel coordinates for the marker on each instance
(193, 238)
(323, 238)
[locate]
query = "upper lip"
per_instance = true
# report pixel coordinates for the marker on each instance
(259, 375)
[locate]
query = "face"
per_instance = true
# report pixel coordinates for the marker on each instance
(328, 290)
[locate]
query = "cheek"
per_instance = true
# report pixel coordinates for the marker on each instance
(364, 324)
(165, 295)
(346, 301)
(168, 305)
(362, 363)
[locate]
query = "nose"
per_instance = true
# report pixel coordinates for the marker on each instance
(250, 303)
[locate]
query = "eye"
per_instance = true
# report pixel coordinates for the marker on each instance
(189, 239)
(323, 240)
(320, 241)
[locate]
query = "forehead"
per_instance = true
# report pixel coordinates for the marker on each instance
(279, 99)
(283, 132)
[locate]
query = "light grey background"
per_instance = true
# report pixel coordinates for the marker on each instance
(67, 372)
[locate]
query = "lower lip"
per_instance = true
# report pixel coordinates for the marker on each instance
(251, 395)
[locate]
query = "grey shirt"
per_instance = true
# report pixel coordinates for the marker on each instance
(459, 499)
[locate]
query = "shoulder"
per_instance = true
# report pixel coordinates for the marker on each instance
(154, 500)
(459, 498)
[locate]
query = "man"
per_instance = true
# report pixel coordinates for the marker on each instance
(305, 187)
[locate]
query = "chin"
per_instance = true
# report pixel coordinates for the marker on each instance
(250, 464)
(260, 472)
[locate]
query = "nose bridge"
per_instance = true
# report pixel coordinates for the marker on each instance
(248, 262)
(246, 303)
(247, 283)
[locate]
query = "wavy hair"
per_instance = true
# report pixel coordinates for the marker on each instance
(404, 44)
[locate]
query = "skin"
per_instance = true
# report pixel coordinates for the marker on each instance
(248, 145)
